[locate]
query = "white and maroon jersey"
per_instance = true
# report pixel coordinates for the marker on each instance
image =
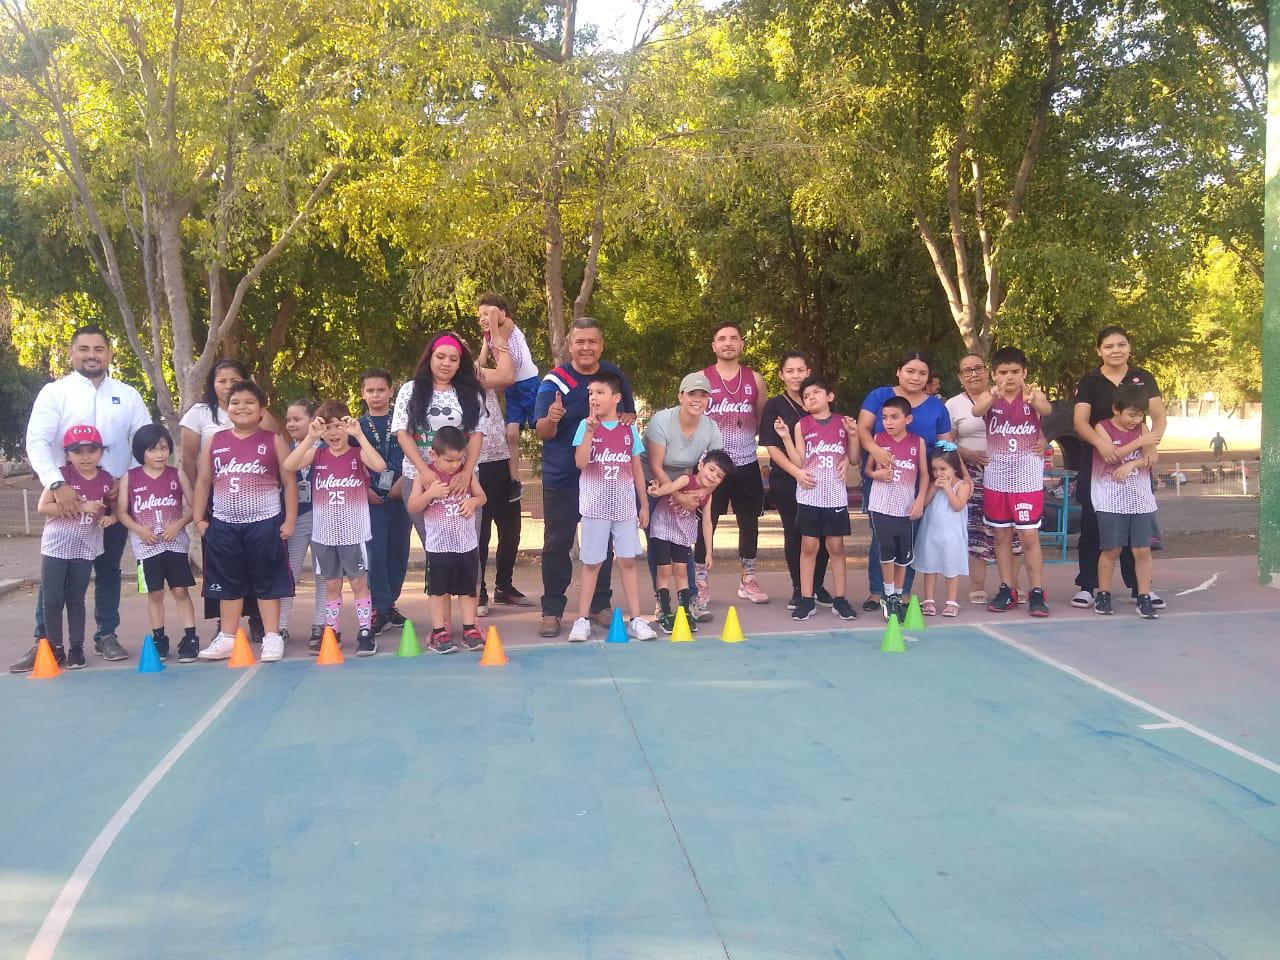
(672, 522)
(1013, 427)
(80, 537)
(825, 446)
(895, 497)
(734, 408)
(155, 502)
(445, 529)
(246, 476)
(339, 498)
(607, 486)
(1131, 495)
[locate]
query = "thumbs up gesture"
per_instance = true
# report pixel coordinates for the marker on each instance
(556, 413)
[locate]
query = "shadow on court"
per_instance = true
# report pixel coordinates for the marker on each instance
(795, 796)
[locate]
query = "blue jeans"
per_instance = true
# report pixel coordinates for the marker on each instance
(875, 576)
(388, 552)
(106, 585)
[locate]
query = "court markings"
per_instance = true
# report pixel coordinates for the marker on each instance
(59, 916)
(1170, 721)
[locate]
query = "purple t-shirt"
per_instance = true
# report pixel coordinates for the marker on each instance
(607, 486)
(246, 476)
(825, 446)
(155, 502)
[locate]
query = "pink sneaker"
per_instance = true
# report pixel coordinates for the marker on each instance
(703, 585)
(749, 589)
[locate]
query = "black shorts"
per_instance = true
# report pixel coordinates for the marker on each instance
(822, 522)
(665, 553)
(453, 574)
(246, 558)
(896, 536)
(169, 568)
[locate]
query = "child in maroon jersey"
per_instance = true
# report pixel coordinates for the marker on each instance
(239, 483)
(896, 499)
(154, 503)
(69, 545)
(340, 515)
(451, 539)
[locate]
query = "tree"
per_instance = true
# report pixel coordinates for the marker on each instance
(189, 139)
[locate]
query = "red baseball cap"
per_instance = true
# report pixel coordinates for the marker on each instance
(83, 433)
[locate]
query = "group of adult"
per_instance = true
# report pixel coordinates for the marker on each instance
(722, 406)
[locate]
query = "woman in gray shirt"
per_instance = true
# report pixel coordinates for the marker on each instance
(676, 440)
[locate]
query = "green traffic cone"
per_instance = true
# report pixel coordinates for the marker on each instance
(892, 642)
(408, 641)
(914, 619)
(142, 581)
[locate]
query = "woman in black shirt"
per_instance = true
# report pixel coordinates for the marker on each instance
(1093, 399)
(783, 474)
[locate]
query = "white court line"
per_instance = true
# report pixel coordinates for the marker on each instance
(1202, 586)
(55, 924)
(1165, 715)
(1160, 726)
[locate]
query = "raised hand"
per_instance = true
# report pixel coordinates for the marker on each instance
(556, 413)
(352, 426)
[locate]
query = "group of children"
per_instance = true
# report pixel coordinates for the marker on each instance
(251, 485)
(918, 497)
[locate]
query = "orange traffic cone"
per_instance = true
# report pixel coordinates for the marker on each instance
(494, 655)
(330, 652)
(46, 665)
(241, 653)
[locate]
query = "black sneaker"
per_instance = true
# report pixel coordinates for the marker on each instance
(843, 609)
(511, 597)
(317, 641)
(517, 491)
(1157, 601)
(380, 622)
(806, 607)
(395, 617)
(188, 648)
(1102, 603)
(75, 657)
(1147, 608)
(162, 645)
(365, 647)
(108, 648)
(900, 607)
(795, 598)
(28, 662)
(824, 597)
(1036, 605)
(441, 642)
(1002, 601)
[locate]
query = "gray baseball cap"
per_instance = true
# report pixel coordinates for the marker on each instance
(695, 381)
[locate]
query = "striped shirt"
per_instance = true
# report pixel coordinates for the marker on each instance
(1131, 495)
(156, 502)
(895, 497)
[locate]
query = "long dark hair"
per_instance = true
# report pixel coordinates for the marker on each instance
(466, 383)
(211, 395)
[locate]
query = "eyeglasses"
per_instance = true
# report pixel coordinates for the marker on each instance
(83, 448)
(971, 371)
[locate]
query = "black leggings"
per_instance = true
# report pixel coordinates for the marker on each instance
(744, 488)
(500, 512)
(783, 491)
(64, 583)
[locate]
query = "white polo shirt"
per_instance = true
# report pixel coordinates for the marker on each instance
(115, 408)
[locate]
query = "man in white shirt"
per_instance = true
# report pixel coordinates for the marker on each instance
(87, 395)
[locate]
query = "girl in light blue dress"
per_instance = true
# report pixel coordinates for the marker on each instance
(943, 545)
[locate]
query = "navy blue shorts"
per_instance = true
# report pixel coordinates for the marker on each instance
(521, 399)
(243, 559)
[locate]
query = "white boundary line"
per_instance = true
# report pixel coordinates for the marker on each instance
(55, 923)
(1164, 715)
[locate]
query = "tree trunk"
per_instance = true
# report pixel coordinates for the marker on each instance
(169, 236)
(554, 195)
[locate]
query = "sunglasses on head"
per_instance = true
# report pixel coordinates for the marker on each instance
(83, 448)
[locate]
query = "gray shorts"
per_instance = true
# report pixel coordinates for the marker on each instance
(1116, 530)
(332, 563)
(595, 539)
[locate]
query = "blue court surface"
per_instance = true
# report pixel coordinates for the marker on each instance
(794, 796)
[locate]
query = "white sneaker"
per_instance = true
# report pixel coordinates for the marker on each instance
(220, 648)
(642, 630)
(482, 610)
(699, 611)
(1083, 599)
(272, 647)
(581, 631)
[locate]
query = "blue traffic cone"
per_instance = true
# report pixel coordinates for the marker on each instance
(617, 629)
(149, 660)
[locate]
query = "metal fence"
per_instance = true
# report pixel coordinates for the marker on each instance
(1230, 478)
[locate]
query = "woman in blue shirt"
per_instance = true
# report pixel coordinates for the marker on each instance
(929, 421)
